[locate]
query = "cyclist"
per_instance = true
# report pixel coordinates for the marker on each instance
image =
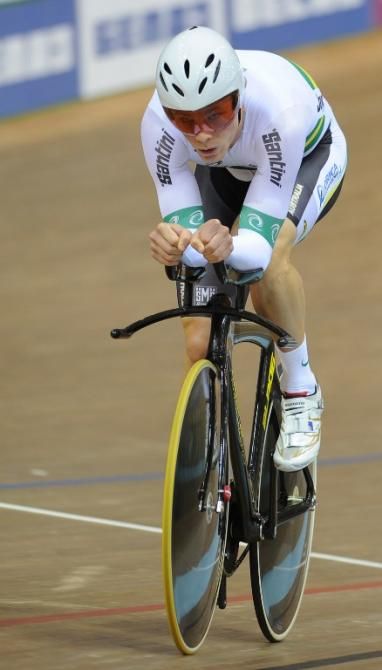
(268, 150)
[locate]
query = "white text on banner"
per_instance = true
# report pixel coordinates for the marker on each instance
(120, 41)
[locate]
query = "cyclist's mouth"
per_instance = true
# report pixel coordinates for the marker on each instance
(207, 153)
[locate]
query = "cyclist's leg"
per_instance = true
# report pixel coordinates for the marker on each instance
(196, 333)
(324, 188)
(280, 294)
(222, 197)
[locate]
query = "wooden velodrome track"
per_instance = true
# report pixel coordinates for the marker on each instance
(85, 420)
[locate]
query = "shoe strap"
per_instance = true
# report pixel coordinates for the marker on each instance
(301, 424)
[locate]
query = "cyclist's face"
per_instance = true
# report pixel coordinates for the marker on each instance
(212, 145)
(212, 129)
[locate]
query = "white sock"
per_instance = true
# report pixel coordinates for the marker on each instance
(297, 376)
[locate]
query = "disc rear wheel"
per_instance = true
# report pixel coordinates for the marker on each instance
(279, 566)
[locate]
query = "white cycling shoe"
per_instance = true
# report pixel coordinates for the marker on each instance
(300, 434)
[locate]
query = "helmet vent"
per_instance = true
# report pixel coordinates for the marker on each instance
(187, 68)
(178, 90)
(209, 60)
(167, 68)
(217, 70)
(163, 82)
(202, 84)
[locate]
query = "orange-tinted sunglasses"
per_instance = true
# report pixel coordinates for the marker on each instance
(213, 117)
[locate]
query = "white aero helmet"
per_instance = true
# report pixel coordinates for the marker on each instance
(196, 68)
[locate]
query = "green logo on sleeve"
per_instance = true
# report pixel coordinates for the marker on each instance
(267, 226)
(189, 217)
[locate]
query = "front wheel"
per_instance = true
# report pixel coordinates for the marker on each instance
(279, 566)
(194, 524)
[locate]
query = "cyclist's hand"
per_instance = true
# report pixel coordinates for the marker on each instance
(213, 240)
(168, 241)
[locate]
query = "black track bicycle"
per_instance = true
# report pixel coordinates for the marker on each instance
(223, 499)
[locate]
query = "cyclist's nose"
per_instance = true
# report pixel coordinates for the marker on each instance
(202, 132)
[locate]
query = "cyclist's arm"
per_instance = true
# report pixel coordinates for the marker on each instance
(179, 199)
(280, 148)
(167, 157)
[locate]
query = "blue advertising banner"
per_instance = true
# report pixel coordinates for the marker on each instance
(57, 50)
(282, 24)
(38, 60)
(120, 41)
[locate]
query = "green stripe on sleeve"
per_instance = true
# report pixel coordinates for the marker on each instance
(267, 226)
(309, 80)
(189, 217)
(315, 135)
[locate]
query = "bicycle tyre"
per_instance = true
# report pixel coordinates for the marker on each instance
(193, 541)
(279, 566)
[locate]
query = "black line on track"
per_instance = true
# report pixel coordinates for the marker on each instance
(327, 662)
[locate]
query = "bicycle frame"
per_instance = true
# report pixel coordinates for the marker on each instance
(225, 334)
(246, 471)
(231, 325)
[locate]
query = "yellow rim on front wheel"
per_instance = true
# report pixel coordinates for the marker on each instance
(168, 502)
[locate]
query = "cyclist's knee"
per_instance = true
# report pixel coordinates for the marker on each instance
(197, 333)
